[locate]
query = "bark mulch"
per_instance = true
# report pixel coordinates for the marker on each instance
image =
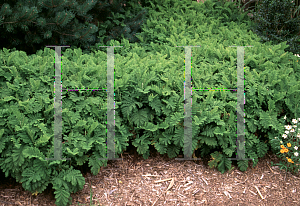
(163, 181)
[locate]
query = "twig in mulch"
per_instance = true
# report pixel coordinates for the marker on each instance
(259, 192)
(170, 185)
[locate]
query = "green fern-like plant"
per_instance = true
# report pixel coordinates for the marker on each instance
(65, 183)
(220, 161)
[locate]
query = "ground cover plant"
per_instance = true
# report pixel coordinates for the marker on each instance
(196, 190)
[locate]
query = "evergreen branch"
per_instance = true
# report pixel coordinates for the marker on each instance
(17, 21)
(53, 6)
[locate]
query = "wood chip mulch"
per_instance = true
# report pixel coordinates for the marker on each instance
(163, 181)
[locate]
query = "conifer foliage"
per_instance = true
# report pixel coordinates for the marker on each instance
(275, 22)
(31, 25)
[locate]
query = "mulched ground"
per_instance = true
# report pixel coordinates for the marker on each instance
(135, 181)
